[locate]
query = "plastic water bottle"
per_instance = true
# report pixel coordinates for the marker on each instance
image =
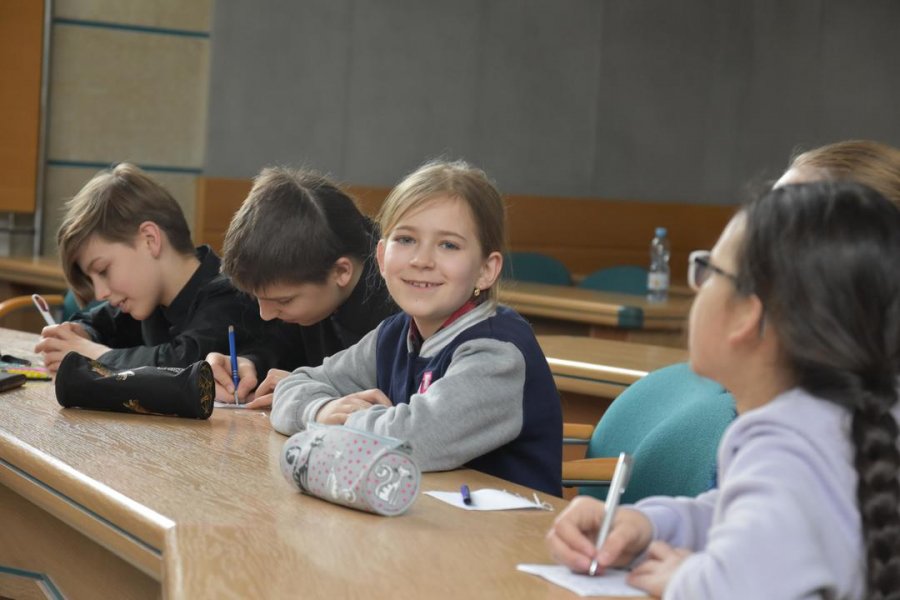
(658, 277)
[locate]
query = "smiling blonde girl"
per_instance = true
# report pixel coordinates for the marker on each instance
(459, 377)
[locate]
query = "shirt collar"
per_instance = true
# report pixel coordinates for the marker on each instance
(178, 311)
(415, 338)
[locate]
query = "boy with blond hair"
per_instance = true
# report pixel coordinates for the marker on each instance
(124, 240)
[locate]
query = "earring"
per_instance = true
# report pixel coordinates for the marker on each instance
(477, 292)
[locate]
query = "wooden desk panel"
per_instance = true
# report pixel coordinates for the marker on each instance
(41, 272)
(25, 276)
(600, 367)
(202, 508)
(556, 309)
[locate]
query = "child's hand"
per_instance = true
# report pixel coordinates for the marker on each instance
(64, 330)
(654, 573)
(572, 538)
(59, 340)
(337, 411)
(221, 369)
(263, 396)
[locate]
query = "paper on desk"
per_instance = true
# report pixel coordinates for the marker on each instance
(611, 583)
(488, 499)
(218, 404)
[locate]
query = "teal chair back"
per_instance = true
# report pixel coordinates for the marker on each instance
(671, 422)
(70, 305)
(626, 279)
(535, 268)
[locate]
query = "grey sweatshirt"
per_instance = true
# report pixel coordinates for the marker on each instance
(491, 403)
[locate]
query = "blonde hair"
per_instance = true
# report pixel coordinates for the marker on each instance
(870, 163)
(112, 206)
(457, 179)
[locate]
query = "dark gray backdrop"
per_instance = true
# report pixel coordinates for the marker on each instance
(665, 100)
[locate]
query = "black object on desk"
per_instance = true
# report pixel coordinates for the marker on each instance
(86, 383)
(9, 381)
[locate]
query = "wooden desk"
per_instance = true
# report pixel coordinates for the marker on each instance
(590, 373)
(24, 276)
(104, 505)
(600, 314)
(41, 272)
(602, 368)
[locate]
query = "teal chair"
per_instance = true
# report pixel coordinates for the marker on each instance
(535, 268)
(626, 279)
(671, 422)
(70, 305)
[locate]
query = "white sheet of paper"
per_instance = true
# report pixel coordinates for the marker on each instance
(486, 499)
(611, 583)
(218, 404)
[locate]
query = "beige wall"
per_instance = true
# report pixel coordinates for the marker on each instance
(128, 81)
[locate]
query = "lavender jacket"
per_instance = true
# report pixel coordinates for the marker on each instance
(784, 522)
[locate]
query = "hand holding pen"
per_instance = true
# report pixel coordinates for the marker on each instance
(232, 349)
(572, 540)
(616, 488)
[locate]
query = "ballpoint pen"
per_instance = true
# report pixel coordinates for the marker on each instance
(616, 487)
(43, 308)
(234, 364)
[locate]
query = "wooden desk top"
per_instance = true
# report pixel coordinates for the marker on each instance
(596, 308)
(40, 271)
(592, 365)
(202, 507)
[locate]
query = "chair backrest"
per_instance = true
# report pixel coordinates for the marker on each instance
(671, 422)
(626, 279)
(70, 305)
(536, 268)
(62, 308)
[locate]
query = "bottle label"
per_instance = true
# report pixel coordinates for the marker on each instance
(658, 282)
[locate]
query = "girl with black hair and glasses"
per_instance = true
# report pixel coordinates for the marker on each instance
(798, 315)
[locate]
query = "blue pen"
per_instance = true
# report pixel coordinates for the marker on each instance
(234, 368)
(466, 495)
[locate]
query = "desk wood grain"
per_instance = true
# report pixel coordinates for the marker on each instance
(202, 508)
(590, 306)
(38, 272)
(600, 367)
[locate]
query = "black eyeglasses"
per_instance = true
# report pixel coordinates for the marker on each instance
(700, 269)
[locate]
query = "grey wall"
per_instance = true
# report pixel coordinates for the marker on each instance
(644, 99)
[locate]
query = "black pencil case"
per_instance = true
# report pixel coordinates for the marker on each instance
(86, 383)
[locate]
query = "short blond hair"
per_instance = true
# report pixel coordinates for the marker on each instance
(112, 206)
(456, 179)
(867, 162)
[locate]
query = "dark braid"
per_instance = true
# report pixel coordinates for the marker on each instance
(824, 259)
(878, 492)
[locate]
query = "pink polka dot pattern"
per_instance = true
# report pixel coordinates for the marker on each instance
(353, 468)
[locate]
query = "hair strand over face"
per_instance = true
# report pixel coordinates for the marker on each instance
(291, 229)
(112, 206)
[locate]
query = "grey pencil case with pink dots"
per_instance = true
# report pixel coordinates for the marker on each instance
(351, 467)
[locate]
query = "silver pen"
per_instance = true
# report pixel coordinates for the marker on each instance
(616, 487)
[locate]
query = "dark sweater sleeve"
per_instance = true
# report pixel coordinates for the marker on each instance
(205, 331)
(279, 346)
(110, 326)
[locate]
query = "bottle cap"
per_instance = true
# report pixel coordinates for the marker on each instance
(661, 232)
